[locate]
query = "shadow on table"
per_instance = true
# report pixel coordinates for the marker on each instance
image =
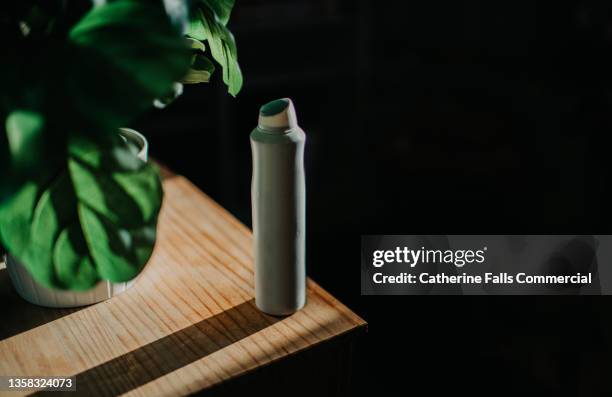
(172, 352)
(18, 315)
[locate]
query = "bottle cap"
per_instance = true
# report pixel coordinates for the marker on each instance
(277, 116)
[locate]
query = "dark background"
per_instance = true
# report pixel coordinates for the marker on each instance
(428, 117)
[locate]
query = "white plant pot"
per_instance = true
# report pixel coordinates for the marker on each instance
(29, 289)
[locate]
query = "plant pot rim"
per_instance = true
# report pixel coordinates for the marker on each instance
(136, 138)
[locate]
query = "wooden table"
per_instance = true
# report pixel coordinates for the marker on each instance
(188, 325)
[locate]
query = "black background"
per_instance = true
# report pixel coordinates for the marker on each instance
(428, 117)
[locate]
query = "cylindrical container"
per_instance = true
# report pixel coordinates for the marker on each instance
(32, 291)
(279, 210)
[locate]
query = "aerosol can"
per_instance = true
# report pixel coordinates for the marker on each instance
(278, 195)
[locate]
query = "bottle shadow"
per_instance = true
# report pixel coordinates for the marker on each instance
(158, 358)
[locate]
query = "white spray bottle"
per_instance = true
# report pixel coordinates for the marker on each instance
(279, 209)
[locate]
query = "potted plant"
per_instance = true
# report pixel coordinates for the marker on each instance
(78, 201)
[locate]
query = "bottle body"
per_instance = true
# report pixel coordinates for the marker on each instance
(278, 195)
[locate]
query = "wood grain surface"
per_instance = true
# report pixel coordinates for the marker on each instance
(188, 323)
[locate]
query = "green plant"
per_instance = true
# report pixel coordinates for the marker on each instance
(76, 204)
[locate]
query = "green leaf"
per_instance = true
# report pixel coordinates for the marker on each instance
(200, 72)
(129, 55)
(196, 28)
(207, 25)
(119, 157)
(221, 8)
(24, 130)
(94, 219)
(196, 45)
(27, 151)
(16, 214)
(119, 253)
(44, 222)
(73, 265)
